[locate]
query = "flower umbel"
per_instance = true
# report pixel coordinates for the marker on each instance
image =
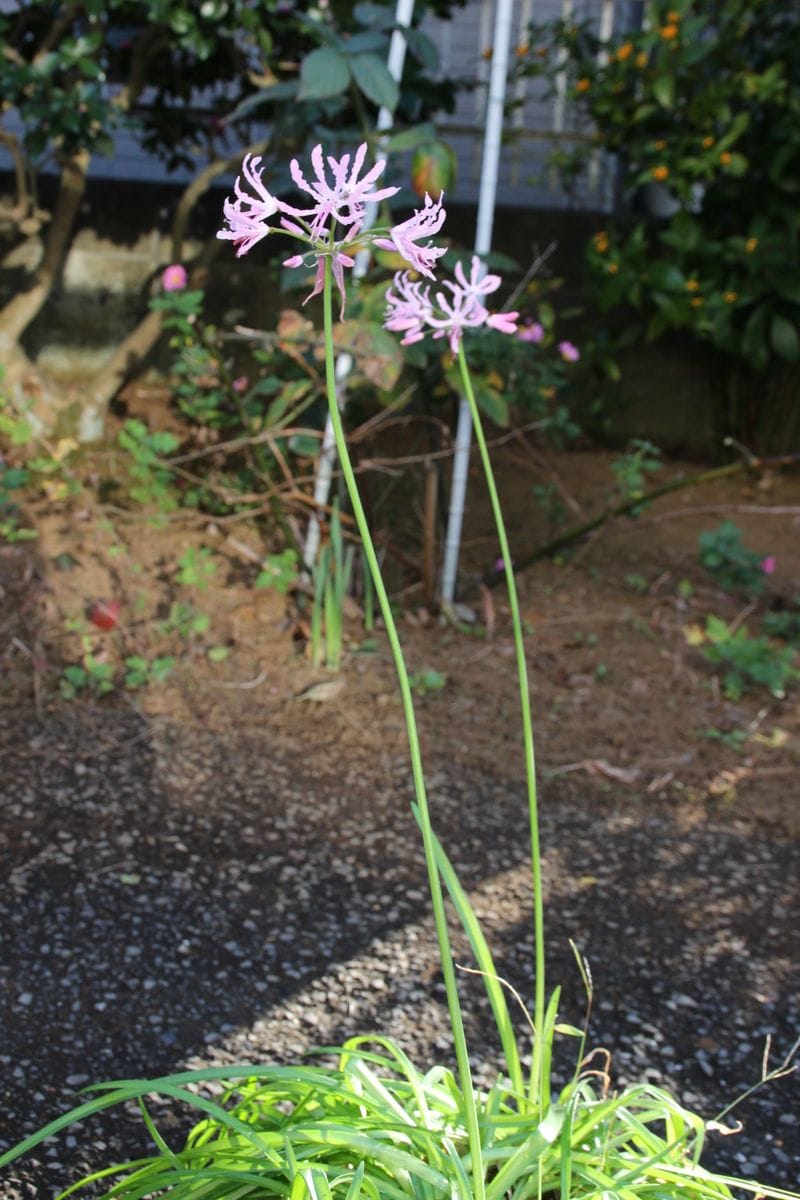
(409, 306)
(341, 196)
(345, 199)
(412, 311)
(248, 215)
(403, 238)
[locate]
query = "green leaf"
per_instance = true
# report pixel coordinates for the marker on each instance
(483, 956)
(218, 653)
(666, 277)
(784, 338)
(423, 49)
(789, 289)
(136, 663)
(411, 138)
(375, 15)
(753, 339)
(304, 445)
(363, 43)
(664, 90)
(377, 353)
(323, 73)
(372, 77)
(492, 403)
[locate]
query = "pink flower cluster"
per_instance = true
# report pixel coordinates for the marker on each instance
(340, 195)
(414, 311)
(330, 226)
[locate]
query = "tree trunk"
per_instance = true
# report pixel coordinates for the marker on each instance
(141, 340)
(20, 374)
(25, 306)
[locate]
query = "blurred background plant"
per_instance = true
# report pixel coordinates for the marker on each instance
(729, 562)
(746, 660)
(192, 85)
(700, 107)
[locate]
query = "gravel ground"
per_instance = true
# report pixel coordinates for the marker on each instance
(174, 897)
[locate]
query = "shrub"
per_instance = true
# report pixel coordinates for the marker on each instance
(700, 106)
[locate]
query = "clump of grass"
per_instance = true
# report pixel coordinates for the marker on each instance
(374, 1126)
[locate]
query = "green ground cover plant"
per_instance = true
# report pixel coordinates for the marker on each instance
(730, 563)
(747, 661)
(373, 1124)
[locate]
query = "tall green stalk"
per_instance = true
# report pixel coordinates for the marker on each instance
(537, 1086)
(428, 841)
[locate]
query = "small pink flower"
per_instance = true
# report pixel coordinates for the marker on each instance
(531, 331)
(455, 315)
(503, 322)
(344, 199)
(403, 238)
(174, 278)
(768, 564)
(248, 215)
(569, 352)
(338, 261)
(240, 384)
(480, 283)
(409, 305)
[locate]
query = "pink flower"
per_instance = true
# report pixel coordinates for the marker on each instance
(174, 278)
(411, 310)
(479, 283)
(248, 215)
(403, 238)
(569, 352)
(768, 565)
(408, 307)
(345, 198)
(338, 261)
(456, 315)
(240, 384)
(503, 322)
(531, 331)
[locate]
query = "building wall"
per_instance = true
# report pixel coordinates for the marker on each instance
(464, 43)
(540, 121)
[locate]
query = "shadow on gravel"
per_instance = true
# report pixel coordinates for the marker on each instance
(164, 888)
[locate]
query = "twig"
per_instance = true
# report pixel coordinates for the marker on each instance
(532, 270)
(493, 578)
(742, 616)
(250, 683)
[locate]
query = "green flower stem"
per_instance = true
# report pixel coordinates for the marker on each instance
(434, 881)
(537, 1082)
